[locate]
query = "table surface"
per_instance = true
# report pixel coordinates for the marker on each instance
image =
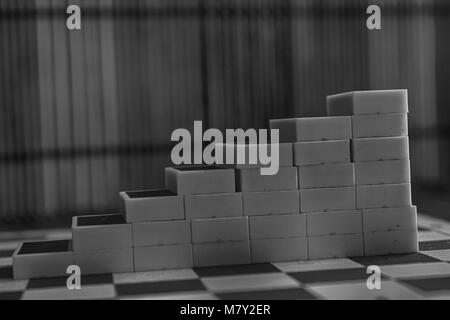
(422, 275)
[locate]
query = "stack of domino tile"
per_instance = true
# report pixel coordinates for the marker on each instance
(102, 244)
(327, 184)
(196, 221)
(380, 153)
(161, 237)
(202, 220)
(271, 203)
(214, 209)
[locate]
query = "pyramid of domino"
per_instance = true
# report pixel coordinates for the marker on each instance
(342, 190)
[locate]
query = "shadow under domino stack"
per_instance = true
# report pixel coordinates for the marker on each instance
(343, 189)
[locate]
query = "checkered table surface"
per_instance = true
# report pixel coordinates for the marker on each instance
(423, 275)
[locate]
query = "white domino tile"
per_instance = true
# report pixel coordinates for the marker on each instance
(389, 219)
(380, 125)
(378, 149)
(313, 128)
(42, 259)
(320, 152)
(220, 205)
(96, 232)
(368, 102)
(252, 180)
(338, 246)
(382, 172)
(271, 202)
(277, 226)
(151, 205)
(105, 261)
(326, 175)
(383, 196)
(220, 230)
(163, 257)
(327, 199)
(161, 233)
(390, 242)
(281, 249)
(334, 223)
(221, 253)
(200, 179)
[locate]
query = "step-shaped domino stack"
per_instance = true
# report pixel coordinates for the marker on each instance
(380, 152)
(343, 189)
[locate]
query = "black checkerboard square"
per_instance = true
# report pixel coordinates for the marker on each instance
(62, 281)
(16, 295)
(330, 275)
(6, 253)
(236, 270)
(394, 259)
(276, 294)
(158, 287)
(6, 272)
(434, 245)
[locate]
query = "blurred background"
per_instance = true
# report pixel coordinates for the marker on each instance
(87, 113)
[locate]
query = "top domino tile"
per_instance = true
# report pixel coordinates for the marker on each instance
(151, 205)
(200, 179)
(313, 129)
(368, 102)
(99, 232)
